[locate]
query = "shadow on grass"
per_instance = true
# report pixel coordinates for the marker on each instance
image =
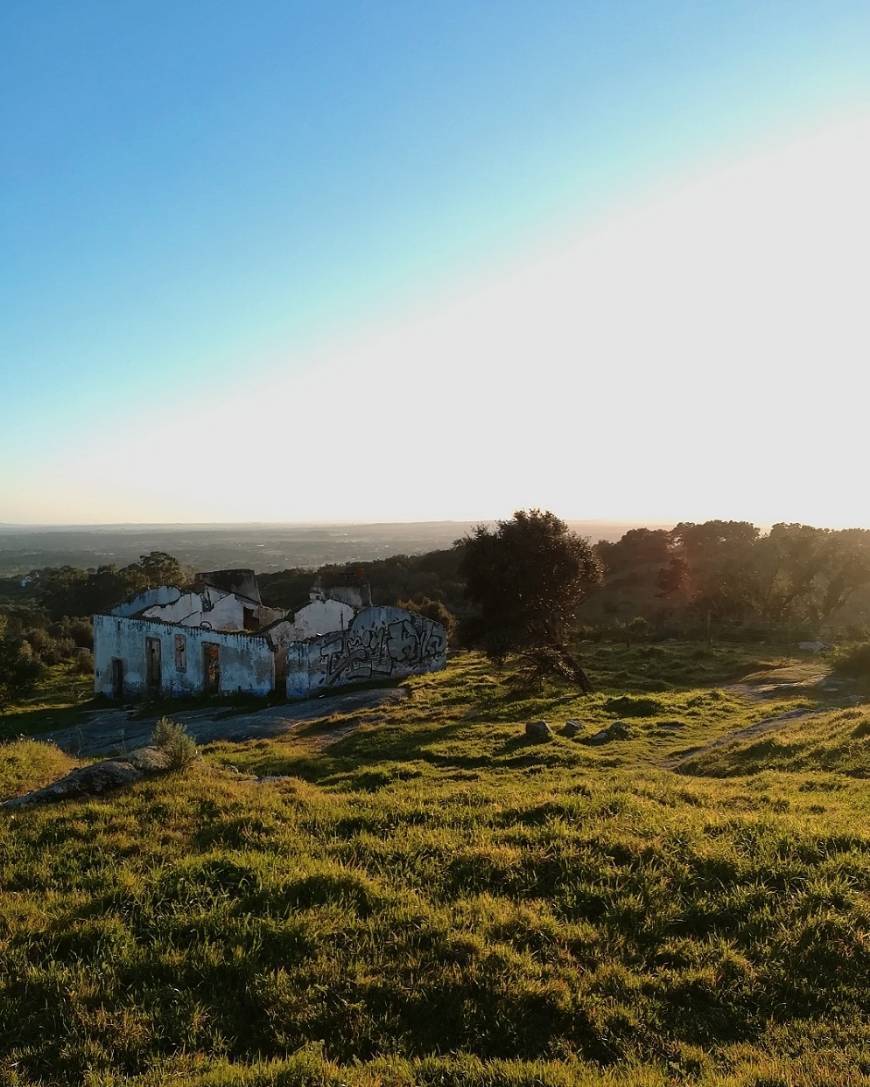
(47, 718)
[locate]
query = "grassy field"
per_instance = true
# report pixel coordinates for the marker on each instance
(58, 701)
(430, 899)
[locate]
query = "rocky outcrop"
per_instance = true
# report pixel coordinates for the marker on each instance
(97, 778)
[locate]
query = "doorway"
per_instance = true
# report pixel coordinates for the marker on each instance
(211, 667)
(117, 679)
(152, 665)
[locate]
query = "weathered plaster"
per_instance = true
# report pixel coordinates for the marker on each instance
(213, 608)
(321, 617)
(163, 594)
(348, 594)
(327, 643)
(247, 663)
(380, 643)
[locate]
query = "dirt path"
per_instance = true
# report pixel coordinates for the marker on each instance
(114, 731)
(769, 724)
(780, 683)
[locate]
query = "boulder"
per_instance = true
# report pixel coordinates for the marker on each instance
(538, 731)
(86, 781)
(571, 728)
(150, 760)
(617, 731)
(97, 777)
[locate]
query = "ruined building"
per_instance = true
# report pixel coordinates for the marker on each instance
(220, 638)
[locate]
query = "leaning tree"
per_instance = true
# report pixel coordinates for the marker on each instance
(526, 578)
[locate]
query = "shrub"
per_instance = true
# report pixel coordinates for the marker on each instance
(56, 650)
(854, 661)
(83, 662)
(81, 631)
(175, 742)
(19, 670)
(638, 629)
(432, 609)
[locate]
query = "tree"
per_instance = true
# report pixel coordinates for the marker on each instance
(431, 609)
(526, 579)
(19, 670)
(155, 568)
(636, 549)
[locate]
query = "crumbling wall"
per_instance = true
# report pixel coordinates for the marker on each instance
(246, 661)
(215, 609)
(161, 595)
(321, 617)
(240, 581)
(380, 644)
(348, 594)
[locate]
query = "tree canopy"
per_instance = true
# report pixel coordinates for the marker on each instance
(526, 579)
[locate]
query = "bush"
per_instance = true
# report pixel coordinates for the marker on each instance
(51, 650)
(81, 631)
(39, 640)
(853, 661)
(434, 610)
(637, 630)
(83, 662)
(175, 742)
(19, 670)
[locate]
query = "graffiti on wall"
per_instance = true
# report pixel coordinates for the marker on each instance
(402, 644)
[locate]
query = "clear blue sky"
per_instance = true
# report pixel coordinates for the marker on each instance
(195, 197)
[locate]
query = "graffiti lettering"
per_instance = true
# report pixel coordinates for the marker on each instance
(374, 650)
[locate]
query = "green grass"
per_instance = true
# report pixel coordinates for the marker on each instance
(58, 701)
(432, 900)
(27, 764)
(837, 741)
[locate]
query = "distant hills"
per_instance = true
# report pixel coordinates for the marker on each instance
(264, 547)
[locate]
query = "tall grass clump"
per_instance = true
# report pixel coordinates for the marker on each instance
(29, 764)
(175, 742)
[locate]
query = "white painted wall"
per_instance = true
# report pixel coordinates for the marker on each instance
(247, 663)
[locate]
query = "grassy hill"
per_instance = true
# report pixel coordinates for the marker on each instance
(417, 895)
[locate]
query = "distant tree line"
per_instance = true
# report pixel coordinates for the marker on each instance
(794, 578)
(45, 618)
(528, 585)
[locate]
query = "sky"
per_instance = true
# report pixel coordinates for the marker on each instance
(377, 261)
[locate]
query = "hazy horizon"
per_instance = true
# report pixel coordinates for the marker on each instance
(303, 524)
(263, 547)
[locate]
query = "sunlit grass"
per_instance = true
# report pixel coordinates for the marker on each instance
(432, 900)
